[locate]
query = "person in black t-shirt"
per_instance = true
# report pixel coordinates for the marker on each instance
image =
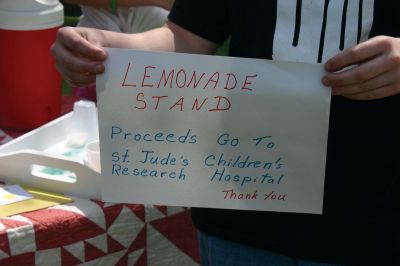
(358, 42)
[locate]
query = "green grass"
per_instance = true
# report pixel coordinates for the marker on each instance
(70, 21)
(223, 49)
(66, 89)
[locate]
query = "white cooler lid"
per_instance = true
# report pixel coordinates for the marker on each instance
(30, 14)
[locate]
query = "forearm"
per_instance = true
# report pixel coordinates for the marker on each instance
(170, 38)
(167, 4)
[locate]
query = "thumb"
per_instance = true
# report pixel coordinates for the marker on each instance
(86, 42)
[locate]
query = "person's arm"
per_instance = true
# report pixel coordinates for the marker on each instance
(374, 70)
(79, 55)
(166, 4)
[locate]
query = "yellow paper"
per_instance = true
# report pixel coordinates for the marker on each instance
(41, 199)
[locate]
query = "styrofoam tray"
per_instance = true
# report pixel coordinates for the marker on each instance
(42, 159)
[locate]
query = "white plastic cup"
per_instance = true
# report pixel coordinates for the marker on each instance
(84, 127)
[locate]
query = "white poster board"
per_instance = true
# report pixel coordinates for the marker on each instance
(210, 131)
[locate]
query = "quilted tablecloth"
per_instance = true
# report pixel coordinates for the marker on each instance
(96, 233)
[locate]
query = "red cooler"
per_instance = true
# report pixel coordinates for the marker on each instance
(30, 86)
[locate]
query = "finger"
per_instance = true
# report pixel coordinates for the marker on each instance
(81, 65)
(358, 74)
(80, 80)
(382, 80)
(75, 77)
(357, 54)
(73, 40)
(74, 63)
(379, 93)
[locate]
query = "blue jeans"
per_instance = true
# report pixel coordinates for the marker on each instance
(217, 252)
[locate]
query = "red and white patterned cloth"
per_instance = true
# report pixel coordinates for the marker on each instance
(96, 233)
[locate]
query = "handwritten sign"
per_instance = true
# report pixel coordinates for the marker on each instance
(209, 131)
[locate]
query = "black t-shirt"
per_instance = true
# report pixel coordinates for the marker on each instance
(361, 215)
